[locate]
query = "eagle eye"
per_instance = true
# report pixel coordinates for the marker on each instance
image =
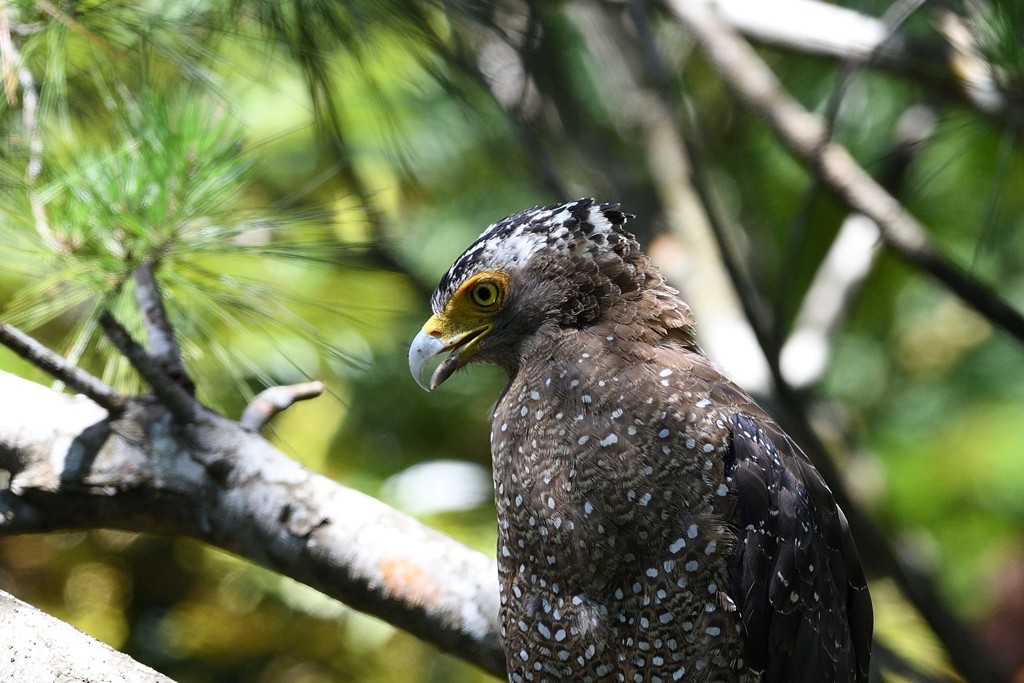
(485, 294)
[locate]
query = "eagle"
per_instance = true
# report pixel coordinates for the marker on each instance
(654, 523)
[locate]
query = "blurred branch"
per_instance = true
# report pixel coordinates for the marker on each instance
(169, 392)
(59, 368)
(814, 27)
(163, 347)
(804, 355)
(11, 65)
(857, 232)
(727, 334)
(806, 137)
(967, 61)
(71, 467)
(269, 402)
(38, 647)
(512, 97)
(954, 68)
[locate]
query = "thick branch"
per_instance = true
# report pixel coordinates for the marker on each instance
(807, 138)
(38, 648)
(72, 468)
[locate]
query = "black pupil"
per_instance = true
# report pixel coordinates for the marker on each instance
(485, 294)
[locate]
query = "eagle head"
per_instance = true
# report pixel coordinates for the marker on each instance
(561, 267)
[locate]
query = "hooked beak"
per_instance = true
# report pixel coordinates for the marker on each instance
(430, 343)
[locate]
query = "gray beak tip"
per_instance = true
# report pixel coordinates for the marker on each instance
(424, 349)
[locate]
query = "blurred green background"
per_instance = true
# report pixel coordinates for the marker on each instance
(307, 170)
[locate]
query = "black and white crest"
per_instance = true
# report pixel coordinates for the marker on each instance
(577, 227)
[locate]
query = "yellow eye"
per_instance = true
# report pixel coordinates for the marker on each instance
(485, 294)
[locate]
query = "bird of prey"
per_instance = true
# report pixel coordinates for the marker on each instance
(654, 524)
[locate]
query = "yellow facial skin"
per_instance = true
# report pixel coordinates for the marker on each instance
(466, 319)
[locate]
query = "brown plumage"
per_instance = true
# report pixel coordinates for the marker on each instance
(654, 524)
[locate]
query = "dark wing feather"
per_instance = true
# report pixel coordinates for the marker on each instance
(796, 573)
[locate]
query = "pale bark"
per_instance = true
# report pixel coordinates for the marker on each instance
(39, 648)
(73, 467)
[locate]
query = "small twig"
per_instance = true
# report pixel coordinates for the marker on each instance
(162, 344)
(272, 401)
(59, 368)
(169, 392)
(806, 137)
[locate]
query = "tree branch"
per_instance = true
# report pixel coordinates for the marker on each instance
(58, 367)
(951, 68)
(38, 648)
(11, 64)
(163, 346)
(814, 27)
(804, 355)
(806, 137)
(702, 268)
(169, 392)
(269, 402)
(73, 468)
